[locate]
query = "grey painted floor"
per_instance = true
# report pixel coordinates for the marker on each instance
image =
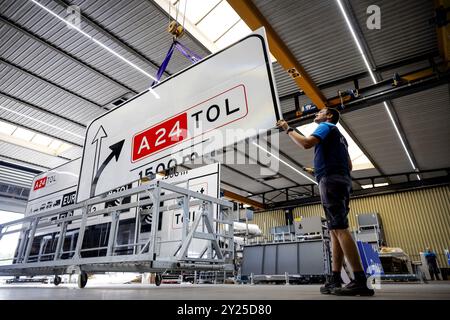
(431, 291)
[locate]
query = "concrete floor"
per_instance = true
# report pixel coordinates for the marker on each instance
(431, 291)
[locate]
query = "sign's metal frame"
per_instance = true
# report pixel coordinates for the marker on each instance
(146, 260)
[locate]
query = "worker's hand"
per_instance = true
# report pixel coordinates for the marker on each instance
(282, 124)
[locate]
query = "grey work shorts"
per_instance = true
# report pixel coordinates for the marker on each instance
(335, 196)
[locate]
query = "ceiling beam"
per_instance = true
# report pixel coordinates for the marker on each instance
(291, 160)
(35, 165)
(19, 167)
(254, 19)
(244, 200)
(125, 46)
(48, 44)
(381, 92)
(8, 96)
(443, 31)
(394, 188)
(55, 85)
(390, 67)
(265, 166)
(23, 146)
(379, 77)
(247, 176)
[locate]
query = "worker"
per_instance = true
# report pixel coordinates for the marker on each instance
(332, 166)
(431, 257)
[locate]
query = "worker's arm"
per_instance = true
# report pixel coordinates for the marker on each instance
(350, 164)
(305, 142)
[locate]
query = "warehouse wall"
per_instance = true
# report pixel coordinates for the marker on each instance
(412, 220)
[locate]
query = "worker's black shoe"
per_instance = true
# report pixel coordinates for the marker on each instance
(329, 287)
(354, 289)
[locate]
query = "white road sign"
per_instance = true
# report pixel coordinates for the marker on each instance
(205, 180)
(54, 189)
(182, 117)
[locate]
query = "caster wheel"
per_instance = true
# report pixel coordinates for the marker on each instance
(158, 279)
(82, 279)
(57, 280)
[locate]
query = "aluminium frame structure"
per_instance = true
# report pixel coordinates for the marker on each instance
(218, 252)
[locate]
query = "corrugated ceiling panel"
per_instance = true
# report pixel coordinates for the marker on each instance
(15, 177)
(332, 92)
(224, 181)
(287, 105)
(255, 172)
(275, 196)
(425, 117)
(37, 92)
(429, 175)
(365, 173)
(45, 62)
(23, 164)
(27, 155)
(38, 115)
(316, 33)
(239, 180)
(405, 29)
(300, 155)
(374, 130)
(405, 69)
(142, 25)
(48, 27)
(285, 84)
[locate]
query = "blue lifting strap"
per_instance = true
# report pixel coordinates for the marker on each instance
(185, 51)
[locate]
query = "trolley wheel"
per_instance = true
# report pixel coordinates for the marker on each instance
(82, 279)
(57, 280)
(158, 279)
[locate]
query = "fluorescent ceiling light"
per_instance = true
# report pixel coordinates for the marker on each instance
(399, 135)
(368, 186)
(42, 122)
(100, 44)
(285, 163)
(31, 140)
(369, 69)
(355, 38)
(359, 159)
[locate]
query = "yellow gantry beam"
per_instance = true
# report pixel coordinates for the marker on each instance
(241, 199)
(254, 19)
(443, 33)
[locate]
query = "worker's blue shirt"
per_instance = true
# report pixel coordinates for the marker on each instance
(331, 153)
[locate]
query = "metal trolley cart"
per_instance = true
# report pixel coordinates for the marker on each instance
(214, 231)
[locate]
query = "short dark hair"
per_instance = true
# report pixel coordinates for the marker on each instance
(335, 115)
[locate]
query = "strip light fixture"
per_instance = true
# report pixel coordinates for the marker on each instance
(285, 163)
(101, 45)
(366, 62)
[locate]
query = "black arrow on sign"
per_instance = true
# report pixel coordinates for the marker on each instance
(116, 149)
(99, 136)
